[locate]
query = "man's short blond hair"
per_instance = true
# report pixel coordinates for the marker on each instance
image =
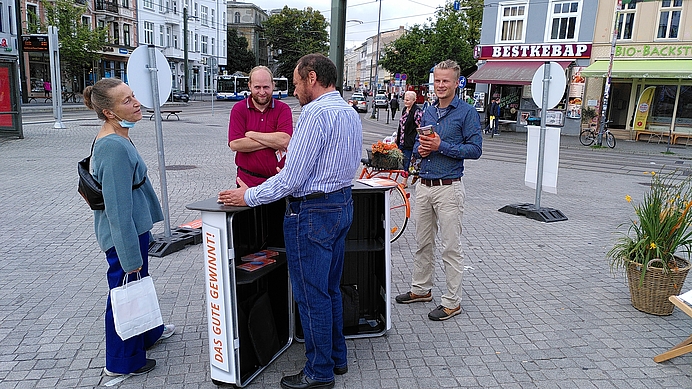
(449, 64)
(260, 67)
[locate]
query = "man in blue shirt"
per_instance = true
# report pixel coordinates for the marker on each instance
(440, 192)
(321, 162)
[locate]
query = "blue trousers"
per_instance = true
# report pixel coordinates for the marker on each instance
(126, 356)
(315, 233)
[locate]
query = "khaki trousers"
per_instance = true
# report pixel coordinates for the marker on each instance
(439, 207)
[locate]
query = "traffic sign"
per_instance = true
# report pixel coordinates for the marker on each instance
(403, 76)
(139, 76)
(556, 85)
(462, 82)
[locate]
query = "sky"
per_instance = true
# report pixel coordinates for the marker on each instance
(395, 13)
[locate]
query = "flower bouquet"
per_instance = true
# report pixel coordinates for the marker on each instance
(386, 156)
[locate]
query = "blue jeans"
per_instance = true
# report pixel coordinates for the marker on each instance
(315, 233)
(126, 356)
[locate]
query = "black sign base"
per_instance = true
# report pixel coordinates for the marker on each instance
(542, 214)
(161, 246)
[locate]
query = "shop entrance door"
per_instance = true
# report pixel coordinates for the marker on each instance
(617, 107)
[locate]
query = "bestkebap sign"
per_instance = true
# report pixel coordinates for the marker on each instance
(534, 51)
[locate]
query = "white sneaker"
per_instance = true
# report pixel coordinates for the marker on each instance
(168, 331)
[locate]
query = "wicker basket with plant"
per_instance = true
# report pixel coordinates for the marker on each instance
(650, 251)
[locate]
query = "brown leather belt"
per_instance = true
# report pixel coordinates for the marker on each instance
(439, 182)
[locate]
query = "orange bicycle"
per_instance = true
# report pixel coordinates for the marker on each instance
(399, 204)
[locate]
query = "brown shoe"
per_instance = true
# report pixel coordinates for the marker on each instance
(441, 313)
(410, 297)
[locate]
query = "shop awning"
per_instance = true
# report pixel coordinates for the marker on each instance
(651, 68)
(509, 72)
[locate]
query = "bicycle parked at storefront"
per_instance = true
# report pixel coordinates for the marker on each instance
(588, 136)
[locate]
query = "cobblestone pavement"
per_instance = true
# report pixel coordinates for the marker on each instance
(541, 308)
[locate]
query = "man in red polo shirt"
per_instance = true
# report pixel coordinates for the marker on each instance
(259, 130)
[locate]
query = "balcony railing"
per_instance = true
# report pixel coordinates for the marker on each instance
(107, 6)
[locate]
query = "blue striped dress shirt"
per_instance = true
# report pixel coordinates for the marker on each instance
(323, 154)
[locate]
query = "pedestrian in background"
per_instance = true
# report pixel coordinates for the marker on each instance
(440, 192)
(123, 227)
(495, 116)
(259, 130)
(317, 184)
(46, 88)
(394, 105)
(406, 133)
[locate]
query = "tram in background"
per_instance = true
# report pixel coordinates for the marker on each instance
(234, 87)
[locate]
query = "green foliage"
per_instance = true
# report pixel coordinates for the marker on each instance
(453, 35)
(238, 56)
(79, 44)
(296, 33)
(661, 227)
(587, 115)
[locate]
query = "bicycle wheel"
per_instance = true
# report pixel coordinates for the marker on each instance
(399, 211)
(586, 137)
(610, 139)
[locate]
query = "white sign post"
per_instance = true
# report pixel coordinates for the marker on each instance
(150, 79)
(55, 80)
(549, 83)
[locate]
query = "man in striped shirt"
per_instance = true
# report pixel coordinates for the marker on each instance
(323, 156)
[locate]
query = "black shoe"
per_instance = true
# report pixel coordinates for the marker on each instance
(149, 366)
(341, 370)
(301, 381)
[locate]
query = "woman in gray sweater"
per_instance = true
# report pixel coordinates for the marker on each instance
(123, 227)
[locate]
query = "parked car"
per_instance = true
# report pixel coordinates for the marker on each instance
(179, 96)
(381, 101)
(359, 103)
(348, 88)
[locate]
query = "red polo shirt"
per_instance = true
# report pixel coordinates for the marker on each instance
(245, 117)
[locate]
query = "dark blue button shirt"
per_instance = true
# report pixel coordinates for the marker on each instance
(459, 129)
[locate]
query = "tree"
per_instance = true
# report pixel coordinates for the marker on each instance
(453, 35)
(294, 33)
(80, 45)
(238, 56)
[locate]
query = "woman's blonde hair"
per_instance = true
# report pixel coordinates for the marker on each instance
(98, 97)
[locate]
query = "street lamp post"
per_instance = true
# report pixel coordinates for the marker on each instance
(185, 69)
(377, 56)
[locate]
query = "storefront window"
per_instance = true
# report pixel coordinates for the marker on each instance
(510, 96)
(663, 104)
(683, 115)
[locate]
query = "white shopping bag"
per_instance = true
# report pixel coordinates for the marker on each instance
(135, 307)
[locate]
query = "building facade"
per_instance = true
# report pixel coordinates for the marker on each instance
(247, 19)
(161, 23)
(651, 72)
(510, 53)
(360, 62)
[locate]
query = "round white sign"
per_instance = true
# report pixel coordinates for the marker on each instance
(556, 85)
(139, 76)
